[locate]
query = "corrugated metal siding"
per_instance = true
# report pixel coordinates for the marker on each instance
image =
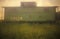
(30, 14)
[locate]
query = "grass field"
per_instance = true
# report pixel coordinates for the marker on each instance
(29, 31)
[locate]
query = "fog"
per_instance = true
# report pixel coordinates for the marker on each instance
(39, 2)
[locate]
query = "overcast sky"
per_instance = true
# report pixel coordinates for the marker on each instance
(39, 2)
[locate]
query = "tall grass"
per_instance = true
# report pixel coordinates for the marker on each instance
(28, 31)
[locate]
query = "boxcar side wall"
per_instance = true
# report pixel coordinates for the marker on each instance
(30, 14)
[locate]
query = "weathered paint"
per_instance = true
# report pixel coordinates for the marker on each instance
(30, 14)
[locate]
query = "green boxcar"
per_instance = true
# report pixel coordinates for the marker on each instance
(30, 14)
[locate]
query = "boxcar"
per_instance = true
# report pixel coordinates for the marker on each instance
(38, 14)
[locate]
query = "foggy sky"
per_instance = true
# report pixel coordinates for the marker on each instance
(39, 2)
